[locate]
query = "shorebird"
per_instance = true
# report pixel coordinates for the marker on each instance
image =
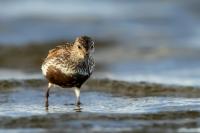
(69, 65)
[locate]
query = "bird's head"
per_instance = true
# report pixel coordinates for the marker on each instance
(83, 47)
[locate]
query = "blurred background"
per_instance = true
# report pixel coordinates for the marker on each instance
(136, 40)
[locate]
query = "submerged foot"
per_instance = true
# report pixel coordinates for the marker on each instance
(78, 109)
(46, 103)
(47, 106)
(77, 104)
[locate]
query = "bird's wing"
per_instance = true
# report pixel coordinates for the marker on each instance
(58, 50)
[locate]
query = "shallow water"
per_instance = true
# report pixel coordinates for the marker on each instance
(107, 106)
(27, 102)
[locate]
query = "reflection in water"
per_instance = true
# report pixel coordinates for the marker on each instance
(78, 108)
(47, 109)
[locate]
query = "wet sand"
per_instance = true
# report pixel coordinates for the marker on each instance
(108, 106)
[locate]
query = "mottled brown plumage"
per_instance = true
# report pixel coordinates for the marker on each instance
(55, 76)
(69, 65)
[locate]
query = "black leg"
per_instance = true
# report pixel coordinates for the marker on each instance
(47, 95)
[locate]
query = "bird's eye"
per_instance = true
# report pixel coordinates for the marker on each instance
(79, 47)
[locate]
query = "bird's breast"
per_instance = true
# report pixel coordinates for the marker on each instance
(57, 77)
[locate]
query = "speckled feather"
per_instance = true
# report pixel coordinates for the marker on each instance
(60, 68)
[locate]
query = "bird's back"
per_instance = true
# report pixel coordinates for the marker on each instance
(58, 51)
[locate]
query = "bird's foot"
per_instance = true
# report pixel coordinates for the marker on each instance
(78, 109)
(78, 103)
(46, 104)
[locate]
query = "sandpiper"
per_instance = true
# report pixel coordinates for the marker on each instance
(69, 65)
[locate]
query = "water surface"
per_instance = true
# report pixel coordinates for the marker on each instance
(27, 102)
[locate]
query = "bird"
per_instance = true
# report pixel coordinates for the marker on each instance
(69, 65)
